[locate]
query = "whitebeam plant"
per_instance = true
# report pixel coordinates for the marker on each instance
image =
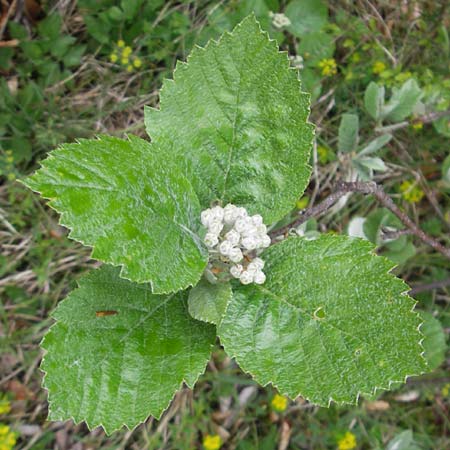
(321, 318)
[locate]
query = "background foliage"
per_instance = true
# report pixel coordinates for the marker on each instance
(377, 74)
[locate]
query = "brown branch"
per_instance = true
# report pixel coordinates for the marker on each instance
(367, 188)
(429, 287)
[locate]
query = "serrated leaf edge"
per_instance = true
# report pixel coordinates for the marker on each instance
(123, 424)
(360, 393)
(274, 42)
(61, 215)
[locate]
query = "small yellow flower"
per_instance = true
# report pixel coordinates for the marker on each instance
(124, 61)
(9, 159)
(279, 403)
(302, 203)
(11, 176)
(5, 406)
(9, 152)
(417, 125)
(411, 192)
(137, 63)
(403, 76)
(120, 43)
(7, 438)
(113, 57)
(445, 390)
(348, 442)
(378, 67)
(130, 68)
(328, 66)
(324, 154)
(127, 51)
(212, 442)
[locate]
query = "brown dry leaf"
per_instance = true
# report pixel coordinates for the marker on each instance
(377, 405)
(20, 391)
(285, 435)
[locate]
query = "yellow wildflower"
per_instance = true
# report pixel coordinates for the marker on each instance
(302, 203)
(7, 438)
(328, 66)
(212, 442)
(403, 76)
(279, 403)
(9, 159)
(411, 192)
(130, 68)
(124, 61)
(137, 63)
(113, 57)
(348, 442)
(323, 154)
(5, 406)
(120, 43)
(378, 67)
(417, 125)
(445, 390)
(127, 51)
(11, 176)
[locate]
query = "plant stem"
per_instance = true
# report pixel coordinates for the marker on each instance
(367, 188)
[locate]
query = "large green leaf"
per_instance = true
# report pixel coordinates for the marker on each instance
(208, 302)
(434, 341)
(348, 133)
(329, 323)
(125, 199)
(118, 353)
(238, 122)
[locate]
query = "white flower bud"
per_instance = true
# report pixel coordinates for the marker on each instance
(240, 225)
(252, 268)
(233, 236)
(261, 229)
(241, 212)
(235, 254)
(211, 239)
(257, 220)
(249, 231)
(236, 270)
(265, 241)
(229, 214)
(225, 247)
(217, 213)
(259, 277)
(258, 263)
(246, 277)
(206, 217)
(215, 226)
(249, 243)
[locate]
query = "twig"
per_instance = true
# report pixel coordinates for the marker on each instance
(427, 118)
(429, 287)
(367, 188)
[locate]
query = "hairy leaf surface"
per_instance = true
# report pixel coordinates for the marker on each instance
(208, 301)
(135, 208)
(329, 323)
(118, 353)
(238, 122)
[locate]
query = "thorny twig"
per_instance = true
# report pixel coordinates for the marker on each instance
(367, 188)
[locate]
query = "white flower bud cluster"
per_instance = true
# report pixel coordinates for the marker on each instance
(233, 234)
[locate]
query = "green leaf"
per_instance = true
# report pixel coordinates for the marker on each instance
(374, 100)
(403, 441)
(237, 119)
(207, 302)
(348, 133)
(306, 16)
(376, 144)
(372, 163)
(118, 353)
(125, 199)
(434, 341)
(329, 323)
(403, 101)
(318, 46)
